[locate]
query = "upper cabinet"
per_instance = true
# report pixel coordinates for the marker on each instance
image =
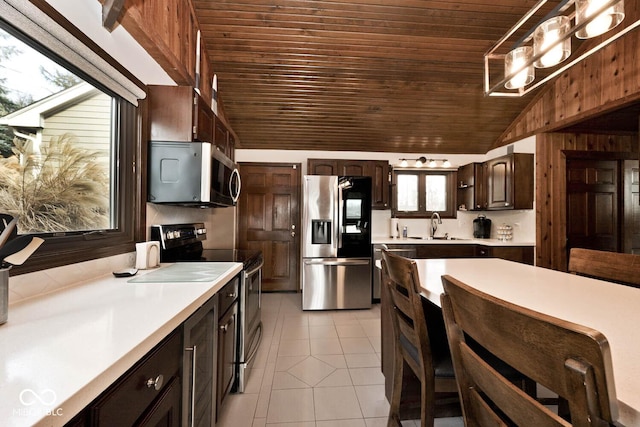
(223, 138)
(510, 182)
(168, 31)
(378, 170)
(499, 184)
(178, 113)
(471, 188)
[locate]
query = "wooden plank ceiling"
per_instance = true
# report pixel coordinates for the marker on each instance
(361, 75)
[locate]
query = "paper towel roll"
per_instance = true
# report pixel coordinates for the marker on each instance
(394, 228)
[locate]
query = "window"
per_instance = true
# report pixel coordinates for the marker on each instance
(419, 193)
(68, 145)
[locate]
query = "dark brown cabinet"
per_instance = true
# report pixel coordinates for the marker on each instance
(223, 138)
(199, 366)
(148, 394)
(445, 251)
(378, 170)
(227, 339)
(322, 167)
(522, 254)
(471, 187)
(179, 113)
(510, 182)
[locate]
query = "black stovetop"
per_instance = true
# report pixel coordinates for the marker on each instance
(183, 243)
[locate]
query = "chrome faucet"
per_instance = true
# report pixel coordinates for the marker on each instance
(434, 224)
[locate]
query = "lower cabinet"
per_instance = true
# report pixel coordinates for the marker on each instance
(199, 366)
(523, 254)
(148, 394)
(180, 382)
(227, 339)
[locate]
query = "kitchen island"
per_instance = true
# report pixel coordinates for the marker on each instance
(61, 350)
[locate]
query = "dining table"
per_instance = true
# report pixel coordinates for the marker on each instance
(610, 308)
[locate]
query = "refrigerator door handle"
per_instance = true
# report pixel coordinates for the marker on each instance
(340, 218)
(338, 262)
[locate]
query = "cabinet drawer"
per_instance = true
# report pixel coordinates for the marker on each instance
(132, 394)
(227, 295)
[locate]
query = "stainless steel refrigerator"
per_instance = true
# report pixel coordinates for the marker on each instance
(336, 243)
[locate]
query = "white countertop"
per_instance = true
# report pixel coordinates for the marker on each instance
(377, 240)
(607, 307)
(59, 351)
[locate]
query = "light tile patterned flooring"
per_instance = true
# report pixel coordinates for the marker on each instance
(315, 369)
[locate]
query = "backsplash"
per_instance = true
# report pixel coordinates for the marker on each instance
(30, 285)
(523, 222)
(219, 222)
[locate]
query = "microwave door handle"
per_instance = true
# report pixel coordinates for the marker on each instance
(235, 195)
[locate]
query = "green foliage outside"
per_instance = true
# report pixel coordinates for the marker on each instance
(61, 189)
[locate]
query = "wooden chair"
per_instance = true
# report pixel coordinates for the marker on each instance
(430, 361)
(612, 266)
(570, 360)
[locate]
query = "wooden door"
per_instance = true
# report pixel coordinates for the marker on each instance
(269, 220)
(631, 227)
(592, 204)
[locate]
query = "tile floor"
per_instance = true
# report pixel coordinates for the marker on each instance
(315, 369)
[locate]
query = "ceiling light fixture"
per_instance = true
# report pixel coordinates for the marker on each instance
(422, 161)
(548, 43)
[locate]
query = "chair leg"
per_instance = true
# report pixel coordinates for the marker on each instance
(427, 404)
(396, 392)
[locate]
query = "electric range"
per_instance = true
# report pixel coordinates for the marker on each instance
(183, 243)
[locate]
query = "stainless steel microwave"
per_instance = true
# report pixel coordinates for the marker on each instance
(191, 174)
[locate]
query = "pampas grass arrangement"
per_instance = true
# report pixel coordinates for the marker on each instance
(62, 188)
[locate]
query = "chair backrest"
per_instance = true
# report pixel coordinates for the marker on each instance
(613, 266)
(400, 275)
(569, 359)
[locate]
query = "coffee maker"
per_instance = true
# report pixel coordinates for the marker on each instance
(481, 227)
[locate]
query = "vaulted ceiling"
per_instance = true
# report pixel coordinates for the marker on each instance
(363, 75)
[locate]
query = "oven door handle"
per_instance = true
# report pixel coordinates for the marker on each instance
(255, 344)
(255, 270)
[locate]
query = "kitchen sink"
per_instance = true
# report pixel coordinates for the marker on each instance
(436, 238)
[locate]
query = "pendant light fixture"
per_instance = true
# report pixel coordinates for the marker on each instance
(548, 43)
(547, 38)
(515, 63)
(602, 22)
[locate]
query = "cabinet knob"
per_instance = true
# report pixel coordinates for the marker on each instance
(231, 295)
(506, 204)
(155, 383)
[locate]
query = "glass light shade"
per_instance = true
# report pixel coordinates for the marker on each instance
(432, 164)
(404, 163)
(515, 60)
(446, 164)
(548, 33)
(602, 23)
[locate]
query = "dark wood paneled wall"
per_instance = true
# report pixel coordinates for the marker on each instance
(605, 81)
(551, 188)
